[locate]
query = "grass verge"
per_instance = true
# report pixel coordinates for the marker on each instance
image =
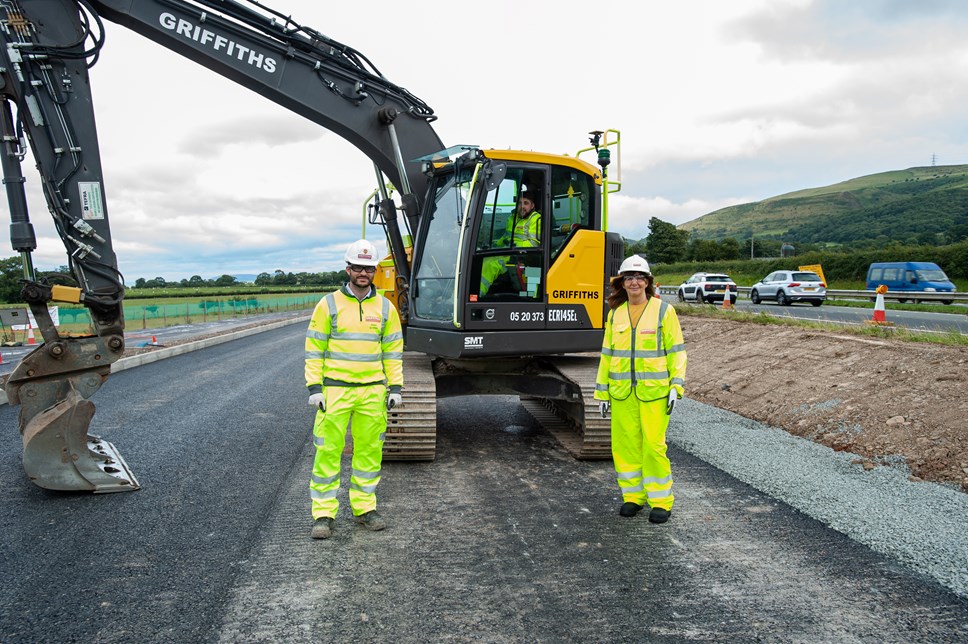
(948, 338)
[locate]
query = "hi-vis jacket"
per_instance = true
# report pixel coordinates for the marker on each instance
(352, 343)
(649, 358)
(522, 232)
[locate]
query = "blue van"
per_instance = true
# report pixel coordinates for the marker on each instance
(909, 277)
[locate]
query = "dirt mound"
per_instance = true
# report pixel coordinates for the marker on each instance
(890, 402)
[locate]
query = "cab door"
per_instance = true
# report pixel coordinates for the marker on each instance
(508, 253)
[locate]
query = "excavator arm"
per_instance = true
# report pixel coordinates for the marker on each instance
(46, 49)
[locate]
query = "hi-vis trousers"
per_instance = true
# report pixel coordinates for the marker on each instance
(364, 410)
(639, 451)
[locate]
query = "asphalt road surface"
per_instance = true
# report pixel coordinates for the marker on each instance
(503, 538)
(954, 322)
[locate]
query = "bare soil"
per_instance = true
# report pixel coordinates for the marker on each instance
(888, 401)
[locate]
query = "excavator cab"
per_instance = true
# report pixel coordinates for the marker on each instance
(478, 290)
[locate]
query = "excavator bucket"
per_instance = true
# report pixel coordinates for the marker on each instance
(52, 384)
(59, 454)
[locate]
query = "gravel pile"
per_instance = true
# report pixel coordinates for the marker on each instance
(924, 525)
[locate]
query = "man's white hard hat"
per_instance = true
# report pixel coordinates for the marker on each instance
(362, 253)
(634, 264)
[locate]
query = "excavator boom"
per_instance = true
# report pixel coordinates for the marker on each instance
(46, 48)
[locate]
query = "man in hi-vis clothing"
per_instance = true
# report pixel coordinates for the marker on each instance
(640, 377)
(354, 372)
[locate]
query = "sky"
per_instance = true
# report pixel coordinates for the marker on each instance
(718, 103)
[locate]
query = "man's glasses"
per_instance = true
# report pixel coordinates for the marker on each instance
(356, 268)
(635, 277)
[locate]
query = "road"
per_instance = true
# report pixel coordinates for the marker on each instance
(503, 538)
(955, 322)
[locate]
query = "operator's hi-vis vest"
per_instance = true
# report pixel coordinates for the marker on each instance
(525, 233)
(352, 343)
(649, 358)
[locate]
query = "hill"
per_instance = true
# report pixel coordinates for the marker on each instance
(920, 205)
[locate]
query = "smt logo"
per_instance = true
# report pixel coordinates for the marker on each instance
(474, 342)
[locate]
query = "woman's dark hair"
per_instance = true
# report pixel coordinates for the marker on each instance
(620, 296)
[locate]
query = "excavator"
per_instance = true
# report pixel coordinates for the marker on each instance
(534, 332)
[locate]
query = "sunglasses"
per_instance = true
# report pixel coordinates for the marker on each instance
(356, 268)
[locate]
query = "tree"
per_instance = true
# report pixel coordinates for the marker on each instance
(665, 242)
(263, 279)
(11, 272)
(226, 280)
(140, 282)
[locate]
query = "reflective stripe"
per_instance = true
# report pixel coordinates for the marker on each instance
(677, 347)
(315, 355)
(390, 337)
(363, 337)
(383, 436)
(635, 488)
(368, 489)
(629, 475)
(366, 475)
(325, 494)
(319, 441)
(657, 481)
(316, 335)
(601, 387)
(660, 494)
(353, 357)
(329, 480)
(678, 381)
(651, 375)
(618, 353)
(393, 355)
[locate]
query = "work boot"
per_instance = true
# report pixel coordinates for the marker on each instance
(659, 515)
(371, 521)
(629, 509)
(323, 528)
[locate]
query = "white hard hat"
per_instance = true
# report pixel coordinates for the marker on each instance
(362, 253)
(634, 264)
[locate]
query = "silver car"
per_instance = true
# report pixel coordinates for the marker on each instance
(787, 287)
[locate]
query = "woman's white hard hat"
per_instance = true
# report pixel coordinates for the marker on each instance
(634, 264)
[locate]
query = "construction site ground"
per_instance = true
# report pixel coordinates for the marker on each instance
(891, 402)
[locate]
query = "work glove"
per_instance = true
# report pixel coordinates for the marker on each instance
(673, 397)
(394, 400)
(603, 408)
(318, 401)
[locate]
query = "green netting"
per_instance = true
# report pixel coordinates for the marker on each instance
(154, 313)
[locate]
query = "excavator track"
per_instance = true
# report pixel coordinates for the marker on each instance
(585, 434)
(412, 428)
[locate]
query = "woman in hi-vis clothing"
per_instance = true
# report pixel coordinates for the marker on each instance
(640, 377)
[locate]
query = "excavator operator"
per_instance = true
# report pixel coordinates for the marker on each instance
(523, 231)
(354, 372)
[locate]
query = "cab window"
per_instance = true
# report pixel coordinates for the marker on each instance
(508, 262)
(572, 197)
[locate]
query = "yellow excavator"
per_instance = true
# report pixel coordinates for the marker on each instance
(533, 331)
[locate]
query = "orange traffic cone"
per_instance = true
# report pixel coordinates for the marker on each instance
(30, 335)
(880, 316)
(727, 300)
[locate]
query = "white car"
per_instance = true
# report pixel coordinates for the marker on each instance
(706, 287)
(787, 287)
